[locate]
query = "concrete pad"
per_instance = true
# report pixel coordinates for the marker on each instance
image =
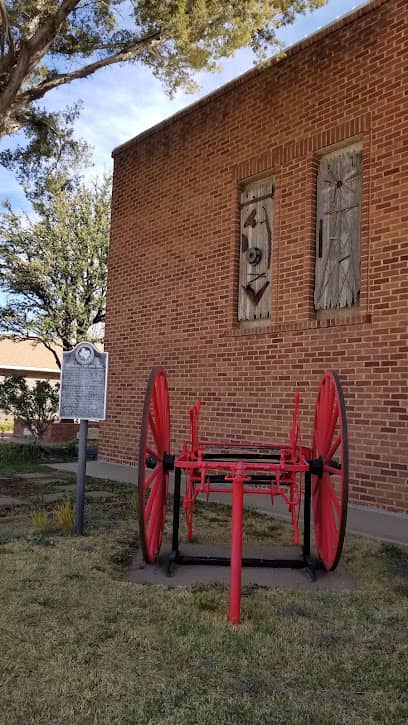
(366, 522)
(7, 501)
(189, 574)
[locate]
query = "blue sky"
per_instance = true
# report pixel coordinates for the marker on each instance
(120, 102)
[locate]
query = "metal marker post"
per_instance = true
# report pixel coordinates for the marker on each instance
(80, 479)
(84, 376)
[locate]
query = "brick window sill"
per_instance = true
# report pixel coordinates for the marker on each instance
(361, 318)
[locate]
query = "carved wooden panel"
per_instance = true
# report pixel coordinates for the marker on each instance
(337, 278)
(254, 297)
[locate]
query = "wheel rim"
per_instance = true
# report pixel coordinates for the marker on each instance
(330, 488)
(153, 479)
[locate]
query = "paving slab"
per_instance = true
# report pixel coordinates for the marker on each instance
(37, 476)
(65, 493)
(99, 494)
(190, 574)
(50, 497)
(99, 469)
(39, 482)
(7, 501)
(366, 522)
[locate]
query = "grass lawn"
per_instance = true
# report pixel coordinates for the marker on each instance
(79, 644)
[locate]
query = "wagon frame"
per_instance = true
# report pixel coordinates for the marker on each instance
(318, 474)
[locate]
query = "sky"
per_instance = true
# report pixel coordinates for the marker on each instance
(122, 101)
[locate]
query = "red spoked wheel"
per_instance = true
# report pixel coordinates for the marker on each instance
(330, 485)
(153, 477)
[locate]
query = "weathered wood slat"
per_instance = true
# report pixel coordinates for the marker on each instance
(254, 296)
(338, 220)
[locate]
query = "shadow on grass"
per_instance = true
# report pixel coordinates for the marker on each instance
(394, 560)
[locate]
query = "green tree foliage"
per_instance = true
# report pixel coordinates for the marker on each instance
(53, 264)
(46, 44)
(50, 153)
(34, 407)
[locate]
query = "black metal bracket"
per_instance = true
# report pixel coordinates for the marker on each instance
(316, 466)
(174, 554)
(252, 562)
(168, 462)
(151, 462)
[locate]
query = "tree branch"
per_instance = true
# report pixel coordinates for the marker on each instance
(48, 346)
(126, 54)
(99, 317)
(5, 32)
(32, 50)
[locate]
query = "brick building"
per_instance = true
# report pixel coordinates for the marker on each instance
(261, 236)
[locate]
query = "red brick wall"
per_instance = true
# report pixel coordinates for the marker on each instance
(174, 255)
(61, 432)
(55, 433)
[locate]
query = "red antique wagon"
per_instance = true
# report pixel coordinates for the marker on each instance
(318, 474)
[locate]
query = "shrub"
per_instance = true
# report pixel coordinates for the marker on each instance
(34, 407)
(15, 453)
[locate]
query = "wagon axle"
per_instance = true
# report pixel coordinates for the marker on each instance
(318, 474)
(316, 466)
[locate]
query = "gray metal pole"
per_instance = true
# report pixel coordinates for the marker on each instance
(80, 480)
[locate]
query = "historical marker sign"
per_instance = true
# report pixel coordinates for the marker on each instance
(84, 376)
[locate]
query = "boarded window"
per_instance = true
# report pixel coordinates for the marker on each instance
(337, 280)
(255, 266)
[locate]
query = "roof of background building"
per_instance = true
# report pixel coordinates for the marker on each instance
(25, 356)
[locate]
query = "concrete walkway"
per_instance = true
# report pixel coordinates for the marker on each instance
(369, 523)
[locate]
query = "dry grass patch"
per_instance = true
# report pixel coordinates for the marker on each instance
(39, 519)
(64, 517)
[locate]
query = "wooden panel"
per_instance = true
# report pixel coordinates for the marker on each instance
(337, 279)
(254, 297)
